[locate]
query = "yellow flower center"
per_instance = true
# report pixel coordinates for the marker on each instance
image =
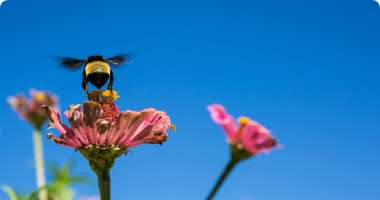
(39, 96)
(244, 121)
(111, 94)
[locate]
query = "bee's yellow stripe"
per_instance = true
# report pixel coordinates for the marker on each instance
(97, 66)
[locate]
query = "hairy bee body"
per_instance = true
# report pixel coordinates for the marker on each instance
(97, 67)
(97, 70)
(97, 73)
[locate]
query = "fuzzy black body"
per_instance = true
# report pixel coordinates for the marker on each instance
(97, 70)
(98, 79)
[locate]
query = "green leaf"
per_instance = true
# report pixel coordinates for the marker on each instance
(58, 189)
(12, 195)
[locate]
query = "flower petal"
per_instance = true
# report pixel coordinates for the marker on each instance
(91, 125)
(55, 119)
(155, 132)
(220, 116)
(150, 126)
(257, 139)
(121, 130)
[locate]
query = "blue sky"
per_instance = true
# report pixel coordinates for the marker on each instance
(308, 70)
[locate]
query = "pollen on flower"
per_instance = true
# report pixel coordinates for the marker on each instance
(102, 125)
(39, 96)
(249, 138)
(244, 120)
(103, 96)
(110, 111)
(111, 94)
(173, 127)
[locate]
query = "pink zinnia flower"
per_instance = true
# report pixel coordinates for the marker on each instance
(248, 134)
(30, 109)
(102, 125)
(101, 133)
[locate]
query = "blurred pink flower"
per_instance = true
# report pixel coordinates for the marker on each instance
(248, 134)
(30, 109)
(102, 125)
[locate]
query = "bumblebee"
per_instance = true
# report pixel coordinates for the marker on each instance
(97, 70)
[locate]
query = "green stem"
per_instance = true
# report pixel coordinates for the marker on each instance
(229, 167)
(102, 168)
(39, 164)
(104, 183)
(101, 161)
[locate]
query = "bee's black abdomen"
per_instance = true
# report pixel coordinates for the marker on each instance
(98, 79)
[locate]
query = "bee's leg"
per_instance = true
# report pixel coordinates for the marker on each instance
(111, 82)
(84, 84)
(87, 94)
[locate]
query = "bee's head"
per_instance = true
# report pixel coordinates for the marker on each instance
(95, 58)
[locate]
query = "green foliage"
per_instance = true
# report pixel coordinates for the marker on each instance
(12, 194)
(58, 189)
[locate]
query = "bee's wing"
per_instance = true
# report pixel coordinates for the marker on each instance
(120, 59)
(71, 63)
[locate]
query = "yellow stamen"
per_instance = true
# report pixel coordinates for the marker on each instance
(173, 127)
(106, 93)
(112, 94)
(244, 120)
(39, 96)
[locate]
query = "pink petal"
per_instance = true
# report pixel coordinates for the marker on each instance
(220, 116)
(63, 141)
(137, 122)
(125, 124)
(54, 118)
(152, 129)
(257, 139)
(90, 126)
(81, 136)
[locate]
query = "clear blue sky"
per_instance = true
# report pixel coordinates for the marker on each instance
(308, 70)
